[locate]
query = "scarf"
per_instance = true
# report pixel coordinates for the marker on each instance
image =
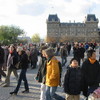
(92, 61)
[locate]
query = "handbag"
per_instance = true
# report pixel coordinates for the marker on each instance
(18, 65)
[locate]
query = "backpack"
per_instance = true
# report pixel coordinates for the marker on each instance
(60, 69)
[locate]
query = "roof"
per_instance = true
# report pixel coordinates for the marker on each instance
(91, 17)
(53, 18)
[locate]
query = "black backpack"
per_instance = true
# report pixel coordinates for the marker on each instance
(60, 69)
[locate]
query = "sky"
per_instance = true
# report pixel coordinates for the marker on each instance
(31, 15)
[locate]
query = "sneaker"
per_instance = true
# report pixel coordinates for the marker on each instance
(25, 91)
(13, 93)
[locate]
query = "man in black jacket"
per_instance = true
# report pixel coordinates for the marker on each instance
(91, 73)
(34, 57)
(77, 52)
(1, 62)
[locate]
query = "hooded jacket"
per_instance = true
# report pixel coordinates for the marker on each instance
(52, 72)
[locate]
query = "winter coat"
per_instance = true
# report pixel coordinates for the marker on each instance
(52, 72)
(34, 55)
(82, 51)
(90, 75)
(12, 60)
(1, 55)
(24, 60)
(42, 71)
(72, 81)
(63, 52)
(76, 53)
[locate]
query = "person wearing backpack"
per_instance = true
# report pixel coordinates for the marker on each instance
(52, 75)
(40, 77)
(72, 81)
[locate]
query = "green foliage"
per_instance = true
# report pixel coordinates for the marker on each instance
(9, 34)
(23, 41)
(36, 38)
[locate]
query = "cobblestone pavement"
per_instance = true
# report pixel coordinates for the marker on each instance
(34, 93)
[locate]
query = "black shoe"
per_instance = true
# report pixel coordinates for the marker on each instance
(13, 93)
(25, 91)
(33, 67)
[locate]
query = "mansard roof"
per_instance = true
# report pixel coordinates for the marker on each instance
(53, 18)
(91, 17)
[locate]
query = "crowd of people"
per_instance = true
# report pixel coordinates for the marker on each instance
(82, 74)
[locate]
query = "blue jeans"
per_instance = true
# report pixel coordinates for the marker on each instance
(22, 77)
(51, 95)
(64, 60)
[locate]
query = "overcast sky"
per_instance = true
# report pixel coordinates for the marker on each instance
(31, 15)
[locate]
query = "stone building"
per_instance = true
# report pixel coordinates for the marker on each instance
(62, 32)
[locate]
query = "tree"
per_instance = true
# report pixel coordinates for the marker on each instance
(36, 38)
(9, 34)
(52, 39)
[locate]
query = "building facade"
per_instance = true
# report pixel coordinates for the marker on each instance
(63, 32)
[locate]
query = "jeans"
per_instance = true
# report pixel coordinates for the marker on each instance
(51, 95)
(22, 77)
(64, 60)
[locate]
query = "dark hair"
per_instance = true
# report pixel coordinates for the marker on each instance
(12, 45)
(73, 59)
(44, 47)
(90, 52)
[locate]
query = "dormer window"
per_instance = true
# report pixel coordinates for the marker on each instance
(91, 19)
(53, 19)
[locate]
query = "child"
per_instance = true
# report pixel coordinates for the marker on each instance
(72, 81)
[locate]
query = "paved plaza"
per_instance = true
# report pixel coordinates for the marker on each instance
(34, 86)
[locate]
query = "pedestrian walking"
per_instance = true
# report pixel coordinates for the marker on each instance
(72, 81)
(77, 52)
(23, 65)
(11, 62)
(40, 77)
(34, 57)
(90, 73)
(63, 53)
(52, 76)
(1, 62)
